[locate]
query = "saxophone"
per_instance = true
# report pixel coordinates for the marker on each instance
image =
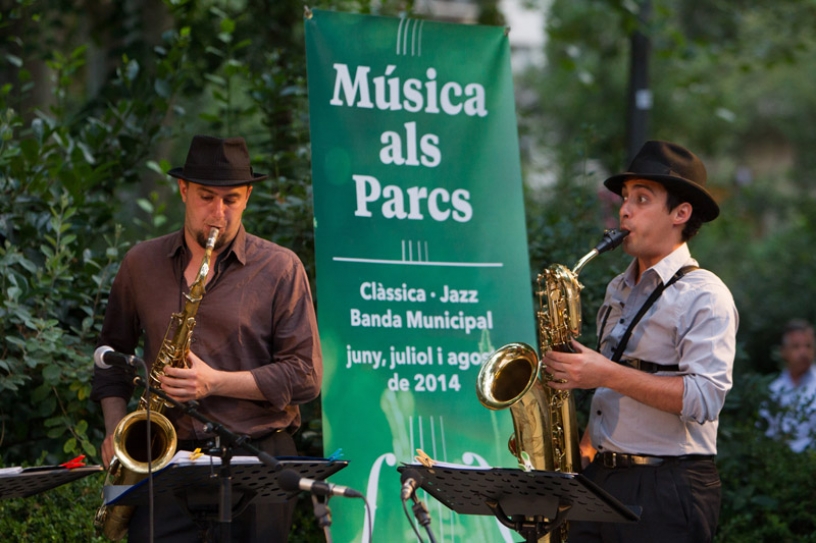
(130, 463)
(544, 419)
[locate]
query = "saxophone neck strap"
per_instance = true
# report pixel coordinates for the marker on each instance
(642, 311)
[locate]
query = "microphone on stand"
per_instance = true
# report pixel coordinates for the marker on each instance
(411, 480)
(105, 358)
(290, 481)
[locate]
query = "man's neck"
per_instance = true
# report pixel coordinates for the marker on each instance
(197, 251)
(646, 262)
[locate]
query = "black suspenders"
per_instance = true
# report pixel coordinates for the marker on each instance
(649, 367)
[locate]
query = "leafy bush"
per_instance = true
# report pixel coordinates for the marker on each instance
(52, 285)
(73, 197)
(60, 515)
(60, 246)
(767, 488)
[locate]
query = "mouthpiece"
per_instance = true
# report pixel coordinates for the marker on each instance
(611, 239)
(213, 235)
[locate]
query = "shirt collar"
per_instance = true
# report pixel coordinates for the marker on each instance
(177, 244)
(237, 247)
(664, 269)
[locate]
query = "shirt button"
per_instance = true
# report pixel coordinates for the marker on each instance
(194, 339)
(598, 412)
(622, 321)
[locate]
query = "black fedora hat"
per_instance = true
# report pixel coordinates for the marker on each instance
(217, 162)
(677, 169)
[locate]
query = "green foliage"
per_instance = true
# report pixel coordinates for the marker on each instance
(771, 277)
(77, 187)
(59, 515)
(767, 488)
(721, 79)
(51, 289)
(59, 243)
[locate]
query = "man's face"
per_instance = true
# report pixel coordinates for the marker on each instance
(798, 351)
(209, 207)
(652, 232)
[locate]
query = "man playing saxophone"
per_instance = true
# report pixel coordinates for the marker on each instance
(254, 352)
(661, 377)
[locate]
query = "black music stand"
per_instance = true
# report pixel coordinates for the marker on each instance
(25, 482)
(196, 486)
(533, 503)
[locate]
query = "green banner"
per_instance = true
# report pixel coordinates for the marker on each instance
(421, 254)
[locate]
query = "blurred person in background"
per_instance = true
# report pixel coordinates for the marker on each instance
(793, 417)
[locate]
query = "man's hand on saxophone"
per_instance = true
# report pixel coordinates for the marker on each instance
(587, 369)
(201, 380)
(582, 369)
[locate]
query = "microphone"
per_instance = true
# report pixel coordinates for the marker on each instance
(289, 480)
(105, 358)
(411, 480)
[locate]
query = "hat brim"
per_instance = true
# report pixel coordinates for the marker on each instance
(699, 198)
(179, 174)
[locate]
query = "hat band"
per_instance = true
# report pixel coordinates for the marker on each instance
(650, 167)
(217, 172)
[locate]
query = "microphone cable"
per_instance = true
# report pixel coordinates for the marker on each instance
(410, 476)
(150, 503)
(411, 521)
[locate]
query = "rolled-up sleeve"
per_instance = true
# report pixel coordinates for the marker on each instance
(707, 347)
(296, 371)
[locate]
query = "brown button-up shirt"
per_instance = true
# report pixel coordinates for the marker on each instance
(257, 315)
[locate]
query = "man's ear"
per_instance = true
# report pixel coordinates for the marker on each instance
(682, 213)
(183, 186)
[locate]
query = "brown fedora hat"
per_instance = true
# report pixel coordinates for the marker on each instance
(217, 162)
(677, 169)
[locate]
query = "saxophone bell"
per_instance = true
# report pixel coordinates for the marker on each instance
(130, 440)
(509, 380)
(131, 463)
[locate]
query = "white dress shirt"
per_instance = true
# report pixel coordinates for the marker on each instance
(796, 417)
(693, 325)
